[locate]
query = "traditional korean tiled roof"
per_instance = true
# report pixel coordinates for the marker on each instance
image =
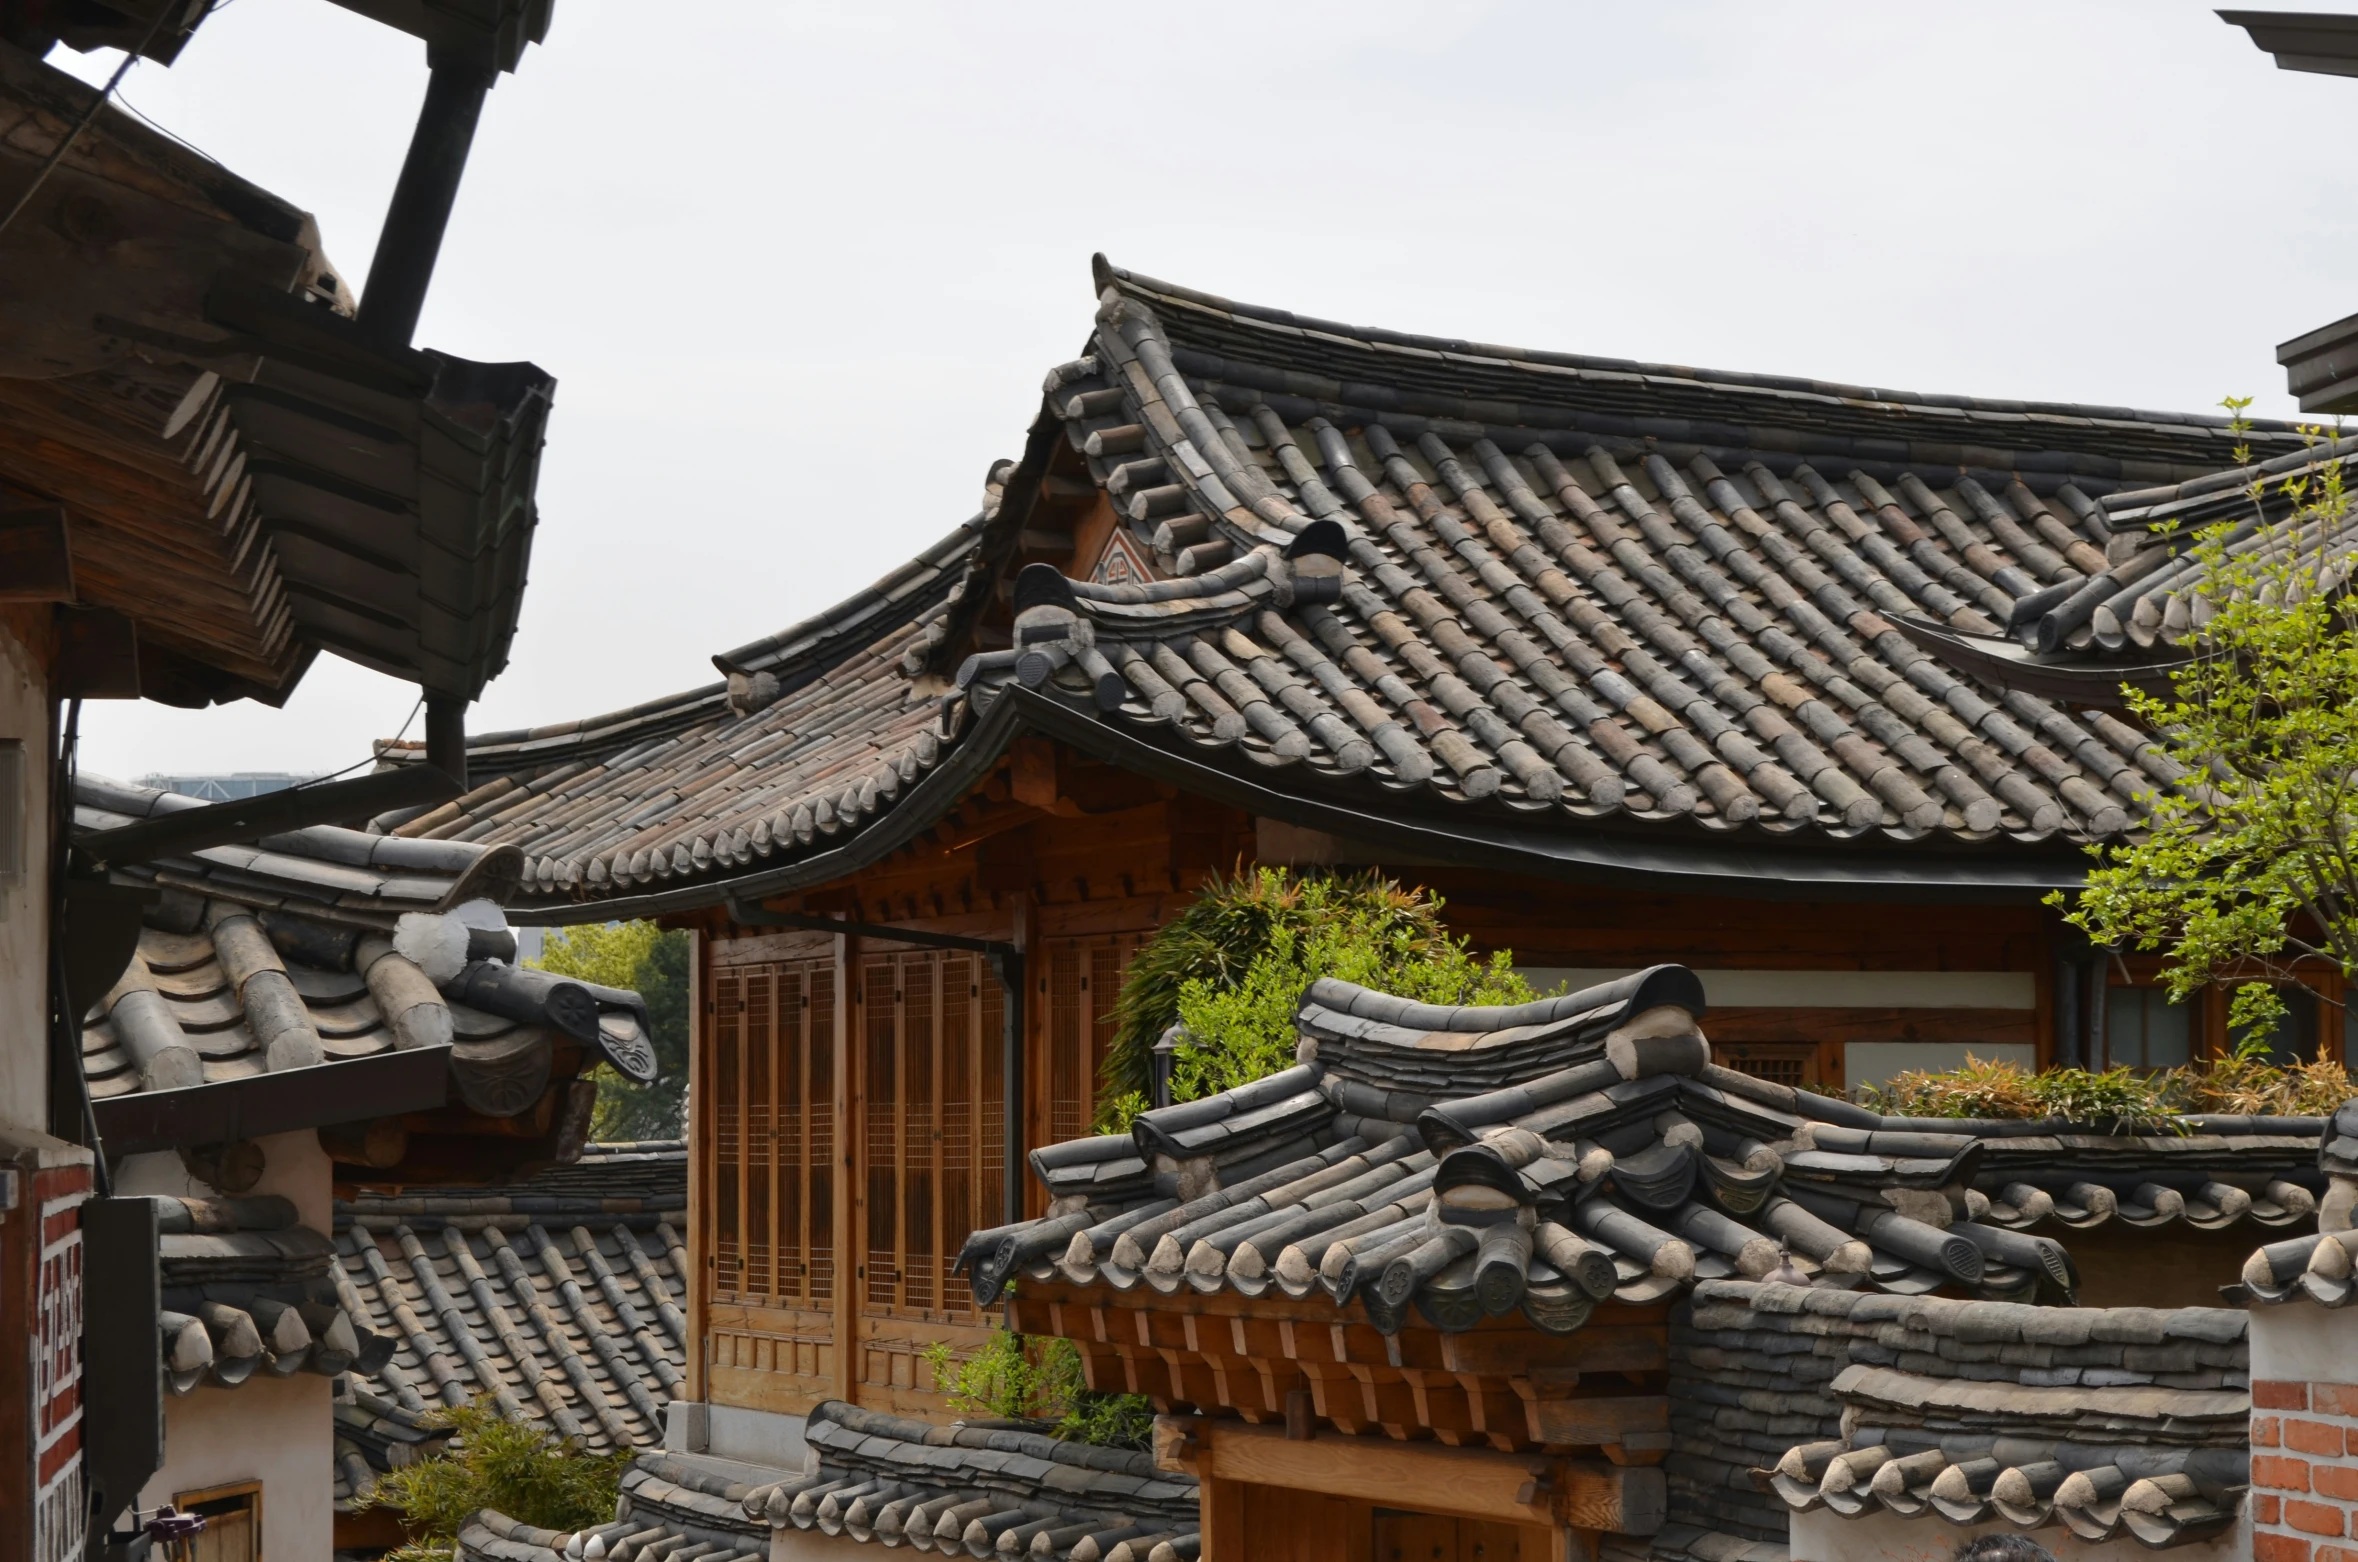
(818, 717)
(1485, 589)
(986, 1490)
(2317, 1266)
(348, 878)
(565, 1336)
(331, 944)
(375, 1435)
(2213, 1172)
(561, 1300)
(1463, 1163)
(670, 1503)
(2123, 1422)
(646, 1179)
(2139, 619)
(247, 1290)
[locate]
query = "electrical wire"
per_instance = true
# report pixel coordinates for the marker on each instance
(372, 759)
(124, 102)
(89, 116)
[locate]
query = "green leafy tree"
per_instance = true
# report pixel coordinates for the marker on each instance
(654, 963)
(1232, 966)
(2247, 869)
(526, 1472)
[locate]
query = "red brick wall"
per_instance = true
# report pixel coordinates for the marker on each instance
(2304, 1471)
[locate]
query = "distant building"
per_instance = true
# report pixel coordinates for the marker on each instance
(234, 787)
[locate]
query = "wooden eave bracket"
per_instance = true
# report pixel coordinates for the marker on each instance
(1178, 1443)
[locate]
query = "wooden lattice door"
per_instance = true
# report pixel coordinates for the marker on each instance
(1075, 985)
(769, 1156)
(933, 1127)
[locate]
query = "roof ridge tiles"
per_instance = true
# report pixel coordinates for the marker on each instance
(1195, 301)
(1667, 1168)
(1526, 644)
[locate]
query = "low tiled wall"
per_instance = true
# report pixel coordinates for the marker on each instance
(1752, 1369)
(1745, 1385)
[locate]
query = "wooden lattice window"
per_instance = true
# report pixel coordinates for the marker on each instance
(768, 1164)
(933, 1125)
(1077, 989)
(1793, 1063)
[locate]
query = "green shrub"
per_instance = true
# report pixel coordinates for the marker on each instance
(526, 1472)
(2244, 1081)
(1017, 1378)
(2118, 1098)
(1232, 967)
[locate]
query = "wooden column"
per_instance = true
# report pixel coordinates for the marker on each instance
(699, 1276)
(848, 1202)
(1223, 1521)
(1020, 1083)
(1559, 1544)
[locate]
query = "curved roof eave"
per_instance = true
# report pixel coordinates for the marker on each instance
(1662, 864)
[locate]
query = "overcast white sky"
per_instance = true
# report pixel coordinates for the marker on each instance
(798, 267)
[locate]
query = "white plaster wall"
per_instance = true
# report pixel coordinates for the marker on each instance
(763, 1438)
(292, 1164)
(2302, 1342)
(24, 908)
(813, 1545)
(759, 1437)
(1875, 1062)
(279, 1431)
(1825, 1536)
(1734, 988)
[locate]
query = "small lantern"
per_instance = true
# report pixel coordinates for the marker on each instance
(1166, 1058)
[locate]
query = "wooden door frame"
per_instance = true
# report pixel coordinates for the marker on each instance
(251, 1487)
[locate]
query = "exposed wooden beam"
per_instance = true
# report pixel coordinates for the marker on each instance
(34, 563)
(97, 655)
(1631, 1419)
(1468, 1482)
(1045, 544)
